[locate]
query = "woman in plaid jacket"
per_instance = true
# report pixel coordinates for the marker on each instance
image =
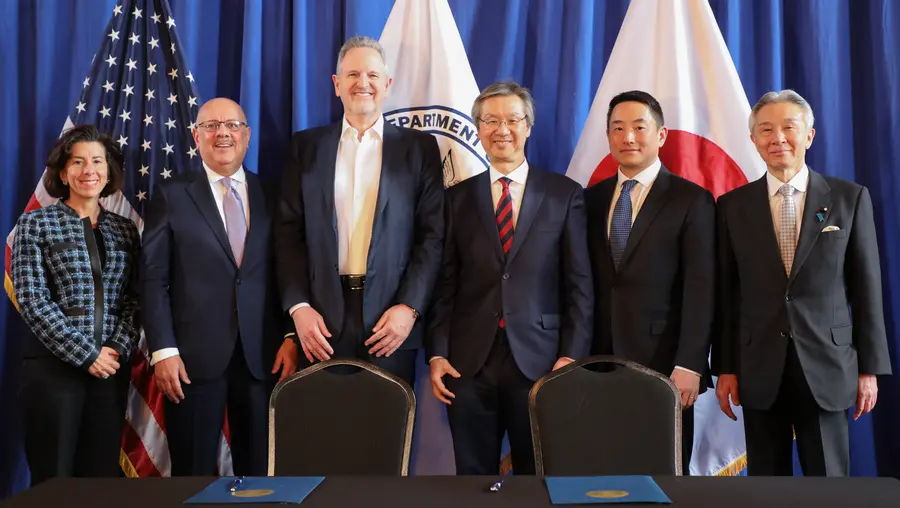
(74, 273)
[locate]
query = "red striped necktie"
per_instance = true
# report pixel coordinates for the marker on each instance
(504, 216)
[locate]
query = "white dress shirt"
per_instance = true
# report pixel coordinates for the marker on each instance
(645, 180)
(357, 175)
(799, 182)
(639, 193)
(239, 184)
(518, 178)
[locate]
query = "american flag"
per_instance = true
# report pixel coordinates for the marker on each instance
(141, 92)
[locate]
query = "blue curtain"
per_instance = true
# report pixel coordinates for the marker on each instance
(276, 58)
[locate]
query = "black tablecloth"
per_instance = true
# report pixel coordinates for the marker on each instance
(472, 492)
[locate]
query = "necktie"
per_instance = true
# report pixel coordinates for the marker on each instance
(787, 233)
(505, 216)
(235, 221)
(620, 227)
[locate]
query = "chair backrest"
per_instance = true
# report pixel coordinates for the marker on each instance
(605, 416)
(341, 417)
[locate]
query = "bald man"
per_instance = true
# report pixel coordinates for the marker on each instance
(213, 321)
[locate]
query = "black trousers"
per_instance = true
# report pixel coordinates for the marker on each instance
(194, 425)
(493, 402)
(402, 363)
(823, 443)
(687, 439)
(72, 420)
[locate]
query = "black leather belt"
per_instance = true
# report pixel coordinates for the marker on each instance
(353, 282)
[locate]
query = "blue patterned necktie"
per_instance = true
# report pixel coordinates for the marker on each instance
(235, 221)
(620, 227)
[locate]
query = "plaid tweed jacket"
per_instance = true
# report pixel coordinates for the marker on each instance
(72, 304)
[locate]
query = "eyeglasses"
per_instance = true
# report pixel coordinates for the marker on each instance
(493, 123)
(213, 125)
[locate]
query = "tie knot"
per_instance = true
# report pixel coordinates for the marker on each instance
(627, 185)
(504, 181)
(786, 190)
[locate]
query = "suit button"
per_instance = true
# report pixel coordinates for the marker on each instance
(238, 281)
(505, 276)
(788, 298)
(496, 314)
(786, 335)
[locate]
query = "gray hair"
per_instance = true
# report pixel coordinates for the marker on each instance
(784, 96)
(359, 41)
(504, 89)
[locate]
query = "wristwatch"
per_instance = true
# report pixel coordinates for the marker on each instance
(415, 313)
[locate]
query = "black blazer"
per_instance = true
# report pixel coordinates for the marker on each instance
(408, 230)
(542, 289)
(658, 309)
(193, 293)
(830, 306)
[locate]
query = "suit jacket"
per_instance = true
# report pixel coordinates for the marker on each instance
(830, 306)
(407, 233)
(195, 296)
(73, 303)
(657, 309)
(542, 288)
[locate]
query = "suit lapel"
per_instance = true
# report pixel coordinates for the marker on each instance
(324, 164)
(531, 203)
(759, 219)
(256, 237)
(605, 191)
(201, 193)
(653, 203)
(818, 196)
(393, 152)
(484, 202)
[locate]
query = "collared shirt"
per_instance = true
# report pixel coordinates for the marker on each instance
(518, 178)
(799, 182)
(639, 193)
(356, 178)
(239, 184)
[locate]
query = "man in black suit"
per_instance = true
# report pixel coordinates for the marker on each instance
(514, 297)
(652, 241)
(802, 322)
(360, 228)
(213, 321)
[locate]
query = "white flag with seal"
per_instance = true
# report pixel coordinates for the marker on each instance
(433, 88)
(675, 51)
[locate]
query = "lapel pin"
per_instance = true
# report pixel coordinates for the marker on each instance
(820, 215)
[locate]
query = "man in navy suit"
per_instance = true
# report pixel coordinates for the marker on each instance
(213, 322)
(514, 298)
(802, 335)
(652, 240)
(360, 226)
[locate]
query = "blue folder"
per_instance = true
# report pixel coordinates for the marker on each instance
(265, 489)
(605, 489)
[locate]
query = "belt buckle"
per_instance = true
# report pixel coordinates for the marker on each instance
(354, 282)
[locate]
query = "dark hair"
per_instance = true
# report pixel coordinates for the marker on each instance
(62, 151)
(637, 96)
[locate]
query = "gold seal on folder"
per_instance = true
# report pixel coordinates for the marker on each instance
(253, 493)
(607, 494)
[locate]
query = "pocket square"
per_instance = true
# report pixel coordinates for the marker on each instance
(829, 229)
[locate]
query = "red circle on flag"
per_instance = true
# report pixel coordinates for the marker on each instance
(692, 157)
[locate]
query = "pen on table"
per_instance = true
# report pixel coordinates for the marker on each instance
(496, 487)
(235, 484)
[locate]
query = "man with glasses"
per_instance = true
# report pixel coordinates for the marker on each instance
(360, 228)
(514, 297)
(211, 313)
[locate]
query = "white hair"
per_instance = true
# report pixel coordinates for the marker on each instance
(359, 41)
(784, 96)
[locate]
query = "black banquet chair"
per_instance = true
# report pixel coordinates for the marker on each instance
(341, 417)
(605, 416)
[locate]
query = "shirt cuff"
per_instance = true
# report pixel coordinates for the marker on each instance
(687, 370)
(433, 358)
(162, 354)
(295, 307)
